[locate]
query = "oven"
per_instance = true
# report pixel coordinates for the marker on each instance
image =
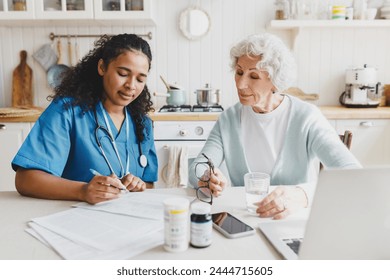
(192, 134)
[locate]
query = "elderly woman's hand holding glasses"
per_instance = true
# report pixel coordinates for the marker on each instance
(210, 177)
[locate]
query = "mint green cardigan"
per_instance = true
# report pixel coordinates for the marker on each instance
(308, 136)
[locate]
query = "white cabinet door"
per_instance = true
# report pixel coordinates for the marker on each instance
(370, 141)
(129, 10)
(63, 9)
(10, 9)
(12, 136)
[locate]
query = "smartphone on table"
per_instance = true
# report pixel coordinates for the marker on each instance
(230, 226)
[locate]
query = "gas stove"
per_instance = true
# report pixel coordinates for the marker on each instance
(191, 109)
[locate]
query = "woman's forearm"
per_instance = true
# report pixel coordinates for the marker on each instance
(40, 184)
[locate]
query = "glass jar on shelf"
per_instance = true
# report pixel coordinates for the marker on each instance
(113, 5)
(282, 9)
(19, 5)
(137, 5)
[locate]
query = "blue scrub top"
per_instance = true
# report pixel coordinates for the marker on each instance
(62, 142)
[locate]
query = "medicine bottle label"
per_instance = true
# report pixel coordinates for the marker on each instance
(201, 233)
(175, 227)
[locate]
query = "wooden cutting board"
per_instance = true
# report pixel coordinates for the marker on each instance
(22, 83)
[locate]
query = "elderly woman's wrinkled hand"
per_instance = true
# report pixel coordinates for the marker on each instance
(216, 181)
(282, 202)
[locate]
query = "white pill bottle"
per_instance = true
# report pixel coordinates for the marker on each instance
(176, 217)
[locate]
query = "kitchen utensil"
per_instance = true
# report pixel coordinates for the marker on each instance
(70, 52)
(46, 56)
(165, 83)
(77, 50)
(56, 72)
(297, 92)
(175, 97)
(207, 96)
(22, 83)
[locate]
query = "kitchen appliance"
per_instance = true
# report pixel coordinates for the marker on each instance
(207, 96)
(361, 88)
(189, 109)
(189, 134)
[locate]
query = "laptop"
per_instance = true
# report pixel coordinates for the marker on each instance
(349, 219)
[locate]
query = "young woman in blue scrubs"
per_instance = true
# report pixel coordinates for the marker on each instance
(95, 138)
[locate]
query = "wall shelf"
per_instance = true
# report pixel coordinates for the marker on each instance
(295, 26)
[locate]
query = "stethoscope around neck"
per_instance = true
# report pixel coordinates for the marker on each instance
(143, 161)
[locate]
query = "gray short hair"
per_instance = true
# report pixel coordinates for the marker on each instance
(276, 58)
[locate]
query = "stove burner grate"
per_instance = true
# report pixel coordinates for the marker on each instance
(189, 108)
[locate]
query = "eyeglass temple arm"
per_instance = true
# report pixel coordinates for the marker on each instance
(209, 162)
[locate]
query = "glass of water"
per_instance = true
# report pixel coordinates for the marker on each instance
(256, 188)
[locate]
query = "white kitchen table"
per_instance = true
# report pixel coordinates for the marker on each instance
(16, 211)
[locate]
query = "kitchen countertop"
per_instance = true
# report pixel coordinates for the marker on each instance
(330, 112)
(339, 112)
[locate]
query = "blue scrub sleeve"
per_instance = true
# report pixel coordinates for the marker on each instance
(151, 170)
(48, 143)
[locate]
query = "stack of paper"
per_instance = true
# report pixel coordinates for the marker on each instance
(117, 229)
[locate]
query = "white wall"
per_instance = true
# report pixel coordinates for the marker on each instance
(322, 54)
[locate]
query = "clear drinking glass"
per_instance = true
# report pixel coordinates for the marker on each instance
(256, 188)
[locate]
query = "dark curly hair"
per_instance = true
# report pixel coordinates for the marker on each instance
(84, 84)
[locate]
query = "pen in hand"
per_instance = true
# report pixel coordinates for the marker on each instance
(95, 173)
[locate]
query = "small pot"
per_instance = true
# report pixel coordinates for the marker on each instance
(175, 97)
(207, 96)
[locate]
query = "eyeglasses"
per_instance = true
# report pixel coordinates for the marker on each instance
(202, 172)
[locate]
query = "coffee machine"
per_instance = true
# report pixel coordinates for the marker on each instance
(361, 88)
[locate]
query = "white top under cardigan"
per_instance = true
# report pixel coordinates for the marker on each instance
(263, 136)
(308, 136)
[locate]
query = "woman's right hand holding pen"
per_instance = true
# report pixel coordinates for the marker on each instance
(102, 188)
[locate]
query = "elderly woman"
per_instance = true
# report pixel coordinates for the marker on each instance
(270, 132)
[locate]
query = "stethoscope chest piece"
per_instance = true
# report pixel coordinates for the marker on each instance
(143, 161)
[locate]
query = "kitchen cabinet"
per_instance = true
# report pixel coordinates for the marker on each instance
(132, 12)
(64, 9)
(16, 10)
(371, 138)
(128, 10)
(12, 136)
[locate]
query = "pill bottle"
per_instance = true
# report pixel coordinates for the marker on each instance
(201, 225)
(176, 224)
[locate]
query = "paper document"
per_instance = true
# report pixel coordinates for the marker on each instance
(72, 251)
(99, 230)
(138, 204)
(115, 229)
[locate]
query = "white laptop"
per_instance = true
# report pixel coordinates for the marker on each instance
(349, 219)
